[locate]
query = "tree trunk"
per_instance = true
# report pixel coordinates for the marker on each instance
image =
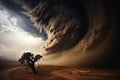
(32, 68)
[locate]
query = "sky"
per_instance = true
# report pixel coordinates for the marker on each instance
(17, 33)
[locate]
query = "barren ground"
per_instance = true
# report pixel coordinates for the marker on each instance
(47, 72)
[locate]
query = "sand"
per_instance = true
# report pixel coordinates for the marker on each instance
(48, 72)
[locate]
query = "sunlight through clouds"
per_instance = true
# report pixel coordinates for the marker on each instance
(14, 40)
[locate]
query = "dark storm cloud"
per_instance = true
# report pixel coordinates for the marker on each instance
(66, 23)
(15, 8)
(29, 3)
(60, 21)
(11, 5)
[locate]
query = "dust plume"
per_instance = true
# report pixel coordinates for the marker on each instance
(80, 32)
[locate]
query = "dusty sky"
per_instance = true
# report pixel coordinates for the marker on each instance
(17, 33)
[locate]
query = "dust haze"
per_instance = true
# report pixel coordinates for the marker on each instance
(80, 33)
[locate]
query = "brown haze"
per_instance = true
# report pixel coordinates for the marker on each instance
(84, 36)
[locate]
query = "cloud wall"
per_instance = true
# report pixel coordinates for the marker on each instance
(80, 32)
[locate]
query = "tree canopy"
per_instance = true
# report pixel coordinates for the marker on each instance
(29, 59)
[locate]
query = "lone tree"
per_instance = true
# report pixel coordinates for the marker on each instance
(28, 59)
